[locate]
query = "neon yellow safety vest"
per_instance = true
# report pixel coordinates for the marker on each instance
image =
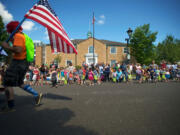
(29, 48)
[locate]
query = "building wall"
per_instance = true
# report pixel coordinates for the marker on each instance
(119, 56)
(99, 49)
(64, 57)
(38, 58)
(103, 52)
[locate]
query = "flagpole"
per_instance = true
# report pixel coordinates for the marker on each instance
(93, 39)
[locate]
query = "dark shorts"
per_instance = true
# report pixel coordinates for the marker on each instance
(15, 73)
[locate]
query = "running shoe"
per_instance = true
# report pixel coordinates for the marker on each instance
(38, 99)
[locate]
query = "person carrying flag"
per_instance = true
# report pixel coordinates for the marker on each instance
(15, 73)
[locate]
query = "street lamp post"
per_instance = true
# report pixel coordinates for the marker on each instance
(129, 32)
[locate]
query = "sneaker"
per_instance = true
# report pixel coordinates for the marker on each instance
(38, 99)
(6, 109)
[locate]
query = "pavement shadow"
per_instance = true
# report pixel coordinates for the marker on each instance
(55, 96)
(30, 120)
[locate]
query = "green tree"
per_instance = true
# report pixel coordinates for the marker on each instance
(141, 44)
(3, 33)
(3, 37)
(169, 49)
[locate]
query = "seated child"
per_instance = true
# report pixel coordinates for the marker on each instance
(91, 77)
(157, 75)
(61, 76)
(80, 81)
(163, 72)
(36, 76)
(167, 75)
(70, 77)
(119, 75)
(54, 77)
(95, 76)
(114, 76)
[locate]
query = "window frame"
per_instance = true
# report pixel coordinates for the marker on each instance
(111, 62)
(89, 49)
(127, 50)
(115, 50)
(68, 61)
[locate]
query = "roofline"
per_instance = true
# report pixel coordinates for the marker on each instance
(106, 42)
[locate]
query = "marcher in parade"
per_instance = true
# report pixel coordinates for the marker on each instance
(17, 69)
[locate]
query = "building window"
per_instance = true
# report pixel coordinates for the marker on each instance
(68, 62)
(90, 49)
(113, 62)
(113, 50)
(125, 50)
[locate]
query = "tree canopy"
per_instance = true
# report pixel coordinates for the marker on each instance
(3, 37)
(141, 44)
(3, 33)
(169, 50)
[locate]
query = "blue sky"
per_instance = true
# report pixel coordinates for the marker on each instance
(113, 17)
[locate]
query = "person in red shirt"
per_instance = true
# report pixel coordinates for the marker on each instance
(36, 75)
(163, 64)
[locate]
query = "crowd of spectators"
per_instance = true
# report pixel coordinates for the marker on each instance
(100, 73)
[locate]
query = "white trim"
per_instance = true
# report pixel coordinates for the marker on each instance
(66, 61)
(111, 48)
(90, 56)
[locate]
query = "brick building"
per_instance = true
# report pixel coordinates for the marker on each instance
(107, 52)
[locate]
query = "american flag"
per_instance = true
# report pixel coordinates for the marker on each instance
(93, 21)
(43, 14)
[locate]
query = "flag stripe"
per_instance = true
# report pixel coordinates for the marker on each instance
(65, 47)
(43, 14)
(54, 42)
(44, 24)
(60, 45)
(50, 38)
(68, 49)
(57, 44)
(45, 10)
(71, 49)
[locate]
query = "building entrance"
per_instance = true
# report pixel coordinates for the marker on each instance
(89, 59)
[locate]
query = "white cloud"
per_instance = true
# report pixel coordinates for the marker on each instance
(102, 19)
(6, 16)
(100, 22)
(28, 25)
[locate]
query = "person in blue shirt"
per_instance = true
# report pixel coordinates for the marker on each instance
(124, 71)
(107, 72)
(119, 75)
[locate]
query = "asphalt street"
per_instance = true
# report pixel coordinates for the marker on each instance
(107, 109)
